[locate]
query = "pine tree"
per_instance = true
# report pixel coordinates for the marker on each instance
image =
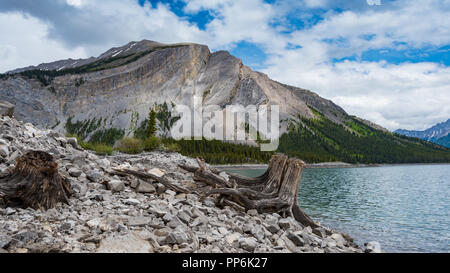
(151, 130)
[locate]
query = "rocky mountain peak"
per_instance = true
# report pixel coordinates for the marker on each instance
(120, 86)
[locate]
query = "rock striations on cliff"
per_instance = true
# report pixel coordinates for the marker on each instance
(121, 85)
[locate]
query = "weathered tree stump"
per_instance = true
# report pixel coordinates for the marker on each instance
(274, 191)
(35, 182)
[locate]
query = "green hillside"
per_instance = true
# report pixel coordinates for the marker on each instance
(320, 140)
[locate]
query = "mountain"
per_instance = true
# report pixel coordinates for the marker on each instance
(439, 133)
(102, 99)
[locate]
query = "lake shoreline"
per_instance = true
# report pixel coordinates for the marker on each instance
(320, 165)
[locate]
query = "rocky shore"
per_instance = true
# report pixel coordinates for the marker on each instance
(111, 213)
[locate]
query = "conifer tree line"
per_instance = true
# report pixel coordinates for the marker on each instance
(313, 140)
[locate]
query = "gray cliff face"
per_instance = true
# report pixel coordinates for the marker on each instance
(122, 92)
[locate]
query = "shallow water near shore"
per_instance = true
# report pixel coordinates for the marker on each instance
(406, 208)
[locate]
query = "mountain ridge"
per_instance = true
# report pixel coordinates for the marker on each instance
(438, 133)
(110, 96)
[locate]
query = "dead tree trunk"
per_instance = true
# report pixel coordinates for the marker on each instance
(274, 191)
(35, 182)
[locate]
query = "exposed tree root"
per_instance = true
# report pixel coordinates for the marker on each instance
(274, 191)
(35, 182)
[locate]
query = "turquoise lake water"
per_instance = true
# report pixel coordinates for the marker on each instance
(405, 208)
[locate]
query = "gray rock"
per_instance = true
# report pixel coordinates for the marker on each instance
(184, 217)
(167, 217)
(252, 212)
(160, 188)
(209, 202)
(128, 243)
(372, 247)
(297, 240)
(284, 223)
(139, 221)
(223, 230)
(4, 240)
(10, 211)
(73, 142)
(171, 192)
(340, 240)
(174, 223)
(132, 202)
(248, 244)
(116, 185)
(272, 226)
(320, 231)
(66, 226)
(4, 150)
(25, 236)
(145, 187)
(75, 172)
(177, 237)
(8, 137)
(94, 175)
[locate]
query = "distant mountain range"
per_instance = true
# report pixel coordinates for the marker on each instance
(439, 133)
(102, 99)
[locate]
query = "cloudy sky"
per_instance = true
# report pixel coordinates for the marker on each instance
(388, 63)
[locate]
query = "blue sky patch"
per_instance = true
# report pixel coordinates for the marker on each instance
(250, 54)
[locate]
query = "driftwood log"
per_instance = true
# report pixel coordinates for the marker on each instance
(149, 177)
(274, 191)
(34, 182)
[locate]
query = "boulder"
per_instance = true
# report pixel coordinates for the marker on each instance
(116, 185)
(248, 244)
(252, 212)
(340, 240)
(320, 231)
(75, 172)
(145, 187)
(4, 240)
(94, 175)
(177, 237)
(183, 216)
(297, 240)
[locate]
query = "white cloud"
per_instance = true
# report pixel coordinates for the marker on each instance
(76, 3)
(236, 21)
(94, 27)
(411, 96)
(25, 42)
